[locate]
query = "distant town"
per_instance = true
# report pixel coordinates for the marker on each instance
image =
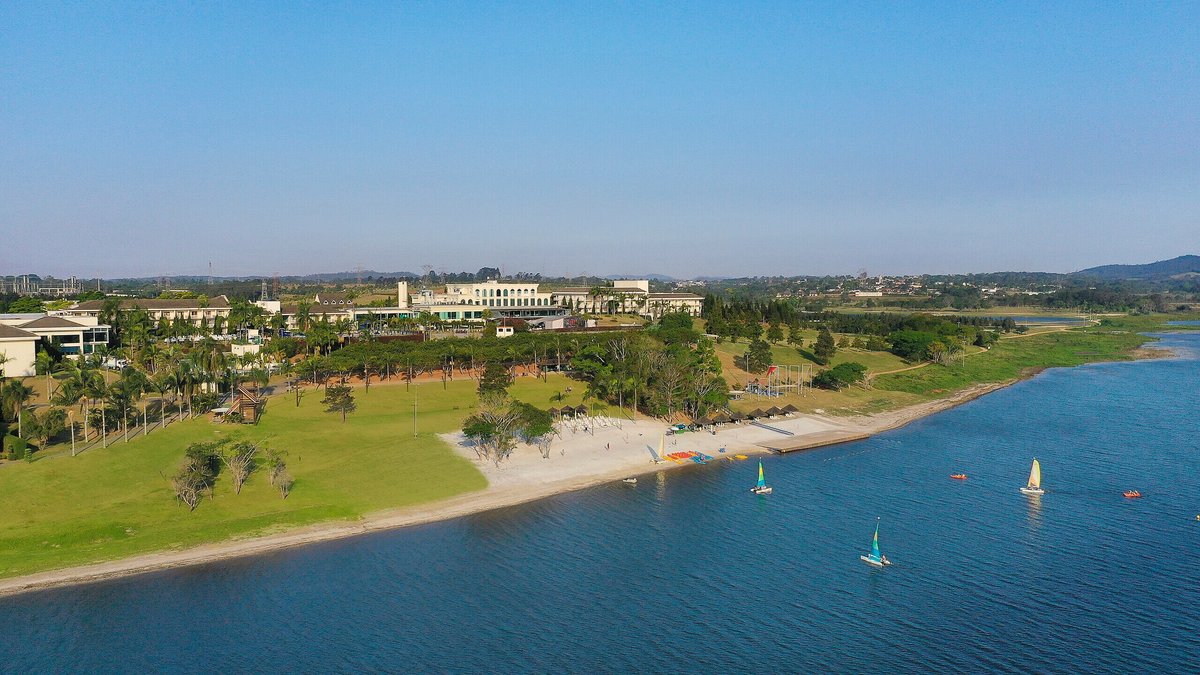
(74, 316)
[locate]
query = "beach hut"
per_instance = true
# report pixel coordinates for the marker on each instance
(790, 409)
(757, 413)
(553, 412)
(721, 418)
(737, 416)
(774, 411)
(581, 409)
(702, 421)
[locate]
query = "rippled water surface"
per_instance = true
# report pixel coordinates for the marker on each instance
(686, 571)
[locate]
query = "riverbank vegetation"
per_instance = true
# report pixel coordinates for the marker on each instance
(382, 452)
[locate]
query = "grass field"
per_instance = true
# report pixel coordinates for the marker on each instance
(113, 503)
(1012, 357)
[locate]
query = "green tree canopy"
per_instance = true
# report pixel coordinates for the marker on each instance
(824, 348)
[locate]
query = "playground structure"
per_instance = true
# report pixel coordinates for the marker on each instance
(781, 381)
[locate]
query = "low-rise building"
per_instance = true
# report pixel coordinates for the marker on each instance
(18, 351)
(192, 310)
(22, 334)
(627, 296)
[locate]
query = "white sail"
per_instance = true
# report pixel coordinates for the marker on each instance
(1035, 476)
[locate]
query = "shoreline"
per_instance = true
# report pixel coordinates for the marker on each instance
(508, 485)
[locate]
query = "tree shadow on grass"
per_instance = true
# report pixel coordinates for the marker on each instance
(809, 355)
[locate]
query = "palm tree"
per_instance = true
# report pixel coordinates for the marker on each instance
(43, 364)
(162, 382)
(304, 316)
(95, 388)
(14, 396)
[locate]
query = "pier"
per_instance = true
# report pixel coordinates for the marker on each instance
(814, 440)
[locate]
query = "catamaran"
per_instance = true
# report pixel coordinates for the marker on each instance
(1034, 486)
(874, 557)
(761, 488)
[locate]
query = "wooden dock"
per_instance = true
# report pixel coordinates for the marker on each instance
(817, 440)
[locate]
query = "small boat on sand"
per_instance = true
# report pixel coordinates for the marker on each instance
(958, 476)
(1132, 494)
(629, 481)
(1034, 486)
(761, 487)
(874, 558)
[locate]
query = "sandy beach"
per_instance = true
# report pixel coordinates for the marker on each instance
(584, 453)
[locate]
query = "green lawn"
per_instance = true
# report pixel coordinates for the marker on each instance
(116, 502)
(784, 355)
(1012, 358)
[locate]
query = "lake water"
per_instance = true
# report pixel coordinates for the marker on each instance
(688, 572)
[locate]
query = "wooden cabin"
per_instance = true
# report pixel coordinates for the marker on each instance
(247, 403)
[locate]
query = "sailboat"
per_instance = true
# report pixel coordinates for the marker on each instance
(1034, 486)
(874, 557)
(761, 488)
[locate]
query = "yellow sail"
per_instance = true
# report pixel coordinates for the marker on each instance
(1035, 475)
(662, 447)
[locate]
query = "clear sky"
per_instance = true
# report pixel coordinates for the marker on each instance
(602, 137)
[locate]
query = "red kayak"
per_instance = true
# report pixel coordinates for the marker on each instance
(958, 476)
(1132, 494)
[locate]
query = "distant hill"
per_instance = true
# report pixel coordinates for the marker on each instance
(1184, 265)
(352, 276)
(651, 277)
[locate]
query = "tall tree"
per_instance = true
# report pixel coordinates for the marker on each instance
(775, 332)
(825, 347)
(758, 356)
(496, 380)
(339, 399)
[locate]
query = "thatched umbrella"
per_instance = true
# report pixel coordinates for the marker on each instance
(553, 412)
(581, 409)
(773, 411)
(721, 418)
(756, 413)
(737, 416)
(702, 421)
(790, 409)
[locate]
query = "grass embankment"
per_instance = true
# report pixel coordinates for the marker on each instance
(117, 502)
(1016, 357)
(1012, 357)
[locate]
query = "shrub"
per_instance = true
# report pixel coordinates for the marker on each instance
(841, 375)
(15, 447)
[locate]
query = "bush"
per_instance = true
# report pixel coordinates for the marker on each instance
(841, 375)
(877, 344)
(912, 345)
(14, 447)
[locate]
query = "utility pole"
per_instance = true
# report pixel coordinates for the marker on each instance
(414, 414)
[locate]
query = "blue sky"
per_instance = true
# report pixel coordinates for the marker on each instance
(602, 138)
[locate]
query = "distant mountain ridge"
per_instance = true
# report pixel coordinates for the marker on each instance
(1162, 269)
(651, 277)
